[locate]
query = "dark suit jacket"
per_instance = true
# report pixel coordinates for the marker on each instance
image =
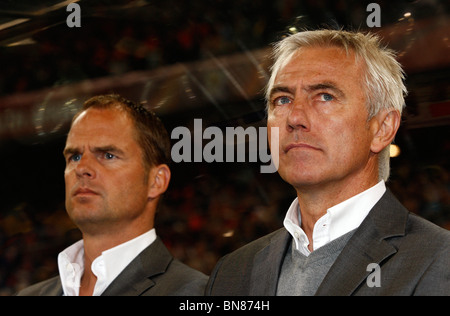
(154, 272)
(412, 253)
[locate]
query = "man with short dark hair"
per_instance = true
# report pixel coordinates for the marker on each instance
(117, 156)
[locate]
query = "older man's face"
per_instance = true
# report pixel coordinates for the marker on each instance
(318, 104)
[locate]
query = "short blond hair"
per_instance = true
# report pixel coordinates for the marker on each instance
(383, 74)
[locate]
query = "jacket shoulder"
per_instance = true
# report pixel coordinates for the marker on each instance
(50, 287)
(424, 226)
(246, 253)
(184, 280)
(232, 274)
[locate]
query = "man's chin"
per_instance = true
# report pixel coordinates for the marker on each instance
(87, 215)
(299, 178)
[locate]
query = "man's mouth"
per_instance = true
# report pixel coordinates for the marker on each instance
(298, 146)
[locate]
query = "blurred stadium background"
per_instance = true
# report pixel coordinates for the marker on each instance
(187, 60)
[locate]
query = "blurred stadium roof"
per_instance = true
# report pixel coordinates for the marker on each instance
(208, 57)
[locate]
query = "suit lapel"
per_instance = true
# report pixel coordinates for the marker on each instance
(136, 278)
(368, 245)
(350, 268)
(267, 264)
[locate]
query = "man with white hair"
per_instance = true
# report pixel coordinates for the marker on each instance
(336, 98)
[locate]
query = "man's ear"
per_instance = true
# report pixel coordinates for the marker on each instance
(384, 126)
(158, 181)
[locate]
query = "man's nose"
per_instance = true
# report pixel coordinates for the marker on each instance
(298, 117)
(85, 167)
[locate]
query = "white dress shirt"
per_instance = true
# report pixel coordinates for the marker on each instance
(106, 267)
(339, 219)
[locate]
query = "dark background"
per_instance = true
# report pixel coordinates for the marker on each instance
(187, 60)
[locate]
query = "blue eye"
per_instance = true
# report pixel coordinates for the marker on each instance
(109, 156)
(75, 158)
(282, 101)
(326, 97)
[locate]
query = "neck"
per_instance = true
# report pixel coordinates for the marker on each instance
(314, 201)
(94, 245)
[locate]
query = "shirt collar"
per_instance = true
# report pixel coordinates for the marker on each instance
(71, 267)
(118, 258)
(339, 219)
(106, 267)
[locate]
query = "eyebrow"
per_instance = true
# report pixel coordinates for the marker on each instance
(101, 149)
(282, 89)
(327, 85)
(68, 151)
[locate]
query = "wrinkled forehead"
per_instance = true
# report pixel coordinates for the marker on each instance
(96, 123)
(287, 56)
(302, 53)
(321, 63)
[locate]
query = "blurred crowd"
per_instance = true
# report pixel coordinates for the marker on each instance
(113, 40)
(216, 211)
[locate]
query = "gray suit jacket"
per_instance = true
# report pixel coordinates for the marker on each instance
(154, 272)
(412, 253)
